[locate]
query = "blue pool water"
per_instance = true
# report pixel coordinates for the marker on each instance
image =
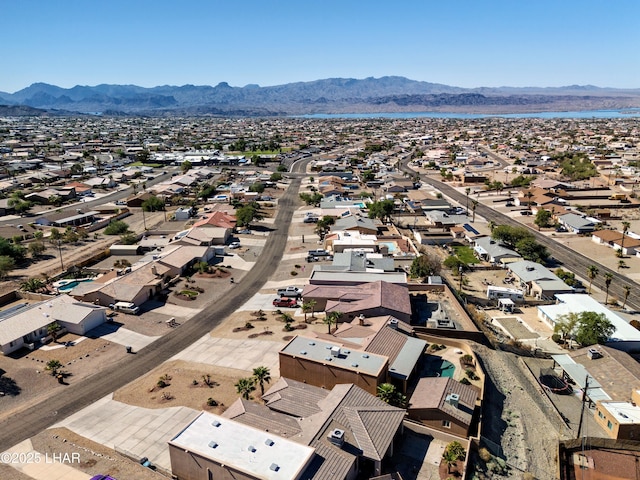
(71, 285)
(391, 246)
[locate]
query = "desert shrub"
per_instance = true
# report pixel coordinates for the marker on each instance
(485, 455)
(248, 325)
(465, 381)
(293, 273)
(211, 402)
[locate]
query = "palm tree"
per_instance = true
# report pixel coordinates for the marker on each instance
(592, 272)
(245, 386)
(492, 225)
(260, 376)
(607, 282)
(529, 196)
(308, 307)
(625, 229)
(627, 291)
(331, 318)
(388, 393)
(450, 458)
(621, 264)
(32, 285)
(53, 330)
(474, 204)
(53, 366)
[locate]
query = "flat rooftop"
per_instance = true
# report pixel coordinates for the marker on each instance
(241, 447)
(335, 354)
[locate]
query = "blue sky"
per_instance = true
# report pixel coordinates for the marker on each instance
(203, 42)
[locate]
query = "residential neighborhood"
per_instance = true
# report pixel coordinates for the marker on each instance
(293, 298)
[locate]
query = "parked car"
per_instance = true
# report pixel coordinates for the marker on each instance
(318, 253)
(526, 212)
(234, 245)
(310, 219)
(294, 292)
(285, 302)
(245, 231)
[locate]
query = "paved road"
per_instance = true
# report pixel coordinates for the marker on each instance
(569, 259)
(78, 396)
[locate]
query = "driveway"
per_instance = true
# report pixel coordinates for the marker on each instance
(135, 431)
(232, 353)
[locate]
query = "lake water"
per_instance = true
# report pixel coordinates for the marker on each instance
(625, 113)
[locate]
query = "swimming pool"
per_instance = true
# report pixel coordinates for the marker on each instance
(437, 367)
(391, 246)
(66, 286)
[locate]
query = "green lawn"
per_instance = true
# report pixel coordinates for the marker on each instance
(465, 254)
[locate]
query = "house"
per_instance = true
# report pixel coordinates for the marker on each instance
(624, 337)
(211, 446)
(372, 299)
(183, 213)
(67, 219)
(357, 222)
(617, 241)
(381, 336)
(27, 323)
(444, 404)
(621, 420)
(339, 241)
(490, 250)
(351, 430)
(576, 223)
(536, 280)
(217, 219)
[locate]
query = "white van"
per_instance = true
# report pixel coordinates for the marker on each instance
(126, 307)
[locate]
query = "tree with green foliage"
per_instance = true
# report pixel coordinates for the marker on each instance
(32, 285)
(608, 277)
(565, 325)
(282, 168)
(247, 214)
(117, 227)
(324, 224)
(388, 393)
(244, 386)
(382, 209)
(153, 204)
(143, 156)
(453, 452)
(424, 266)
(593, 328)
(275, 177)
(257, 187)
(331, 318)
(543, 219)
(185, 166)
(367, 176)
(454, 263)
(261, 375)
(6, 265)
(54, 329)
(53, 366)
(9, 249)
(510, 235)
(36, 248)
(128, 238)
(532, 250)
(309, 306)
(577, 166)
(311, 199)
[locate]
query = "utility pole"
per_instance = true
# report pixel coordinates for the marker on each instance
(59, 243)
(584, 398)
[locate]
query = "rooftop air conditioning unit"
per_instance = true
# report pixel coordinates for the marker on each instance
(393, 323)
(336, 437)
(335, 351)
(453, 399)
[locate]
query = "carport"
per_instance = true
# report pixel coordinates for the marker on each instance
(579, 375)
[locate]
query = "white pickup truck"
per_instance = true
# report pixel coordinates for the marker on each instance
(294, 292)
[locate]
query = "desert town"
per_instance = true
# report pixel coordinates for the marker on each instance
(288, 298)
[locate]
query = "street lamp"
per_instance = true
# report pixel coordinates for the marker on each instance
(460, 272)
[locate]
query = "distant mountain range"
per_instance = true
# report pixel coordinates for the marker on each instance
(333, 95)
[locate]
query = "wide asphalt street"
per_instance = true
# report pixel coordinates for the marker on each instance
(77, 396)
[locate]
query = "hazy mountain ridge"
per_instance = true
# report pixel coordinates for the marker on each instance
(333, 95)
